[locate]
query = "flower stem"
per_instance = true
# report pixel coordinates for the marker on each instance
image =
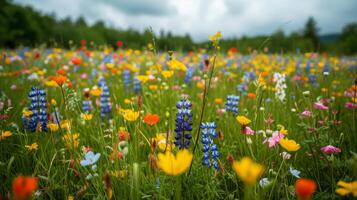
(205, 93)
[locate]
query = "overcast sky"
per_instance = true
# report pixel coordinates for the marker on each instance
(201, 18)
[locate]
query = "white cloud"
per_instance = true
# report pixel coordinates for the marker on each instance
(201, 18)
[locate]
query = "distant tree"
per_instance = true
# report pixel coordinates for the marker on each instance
(311, 32)
(348, 43)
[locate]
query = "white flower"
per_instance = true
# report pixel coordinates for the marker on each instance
(285, 155)
(280, 86)
(264, 182)
(295, 172)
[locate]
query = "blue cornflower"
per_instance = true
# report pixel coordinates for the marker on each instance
(90, 158)
(210, 150)
(183, 124)
(232, 104)
(38, 108)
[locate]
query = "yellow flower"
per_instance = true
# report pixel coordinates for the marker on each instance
(71, 140)
(5, 134)
(127, 101)
(26, 113)
(51, 83)
(142, 78)
(167, 73)
(248, 170)
(153, 87)
(86, 116)
(65, 124)
(32, 147)
(53, 127)
(172, 165)
(215, 37)
(283, 131)
(347, 188)
(289, 145)
(130, 115)
(176, 65)
(119, 173)
(96, 91)
(242, 120)
(110, 65)
(162, 143)
(53, 102)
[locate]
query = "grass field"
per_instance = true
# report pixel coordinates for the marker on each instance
(126, 124)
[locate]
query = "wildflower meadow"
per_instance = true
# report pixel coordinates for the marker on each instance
(105, 123)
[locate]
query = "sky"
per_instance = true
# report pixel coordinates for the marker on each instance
(201, 18)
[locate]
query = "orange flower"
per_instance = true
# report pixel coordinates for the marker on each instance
(59, 79)
(218, 101)
(304, 188)
(151, 119)
(24, 186)
(252, 95)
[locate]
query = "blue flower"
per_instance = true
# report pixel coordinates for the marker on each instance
(105, 106)
(38, 106)
(189, 74)
(183, 124)
(126, 78)
(90, 158)
(232, 104)
(137, 85)
(86, 106)
(209, 148)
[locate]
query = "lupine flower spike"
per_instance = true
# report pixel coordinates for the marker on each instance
(183, 124)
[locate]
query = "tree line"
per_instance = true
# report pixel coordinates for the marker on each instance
(24, 26)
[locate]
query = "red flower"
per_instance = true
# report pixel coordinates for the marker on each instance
(304, 188)
(120, 43)
(151, 119)
(76, 61)
(123, 135)
(61, 72)
(83, 42)
(24, 186)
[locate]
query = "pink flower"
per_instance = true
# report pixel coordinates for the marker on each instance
(248, 131)
(274, 139)
(220, 111)
(350, 105)
(196, 78)
(306, 113)
(320, 106)
(13, 87)
(329, 149)
(84, 76)
(175, 87)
